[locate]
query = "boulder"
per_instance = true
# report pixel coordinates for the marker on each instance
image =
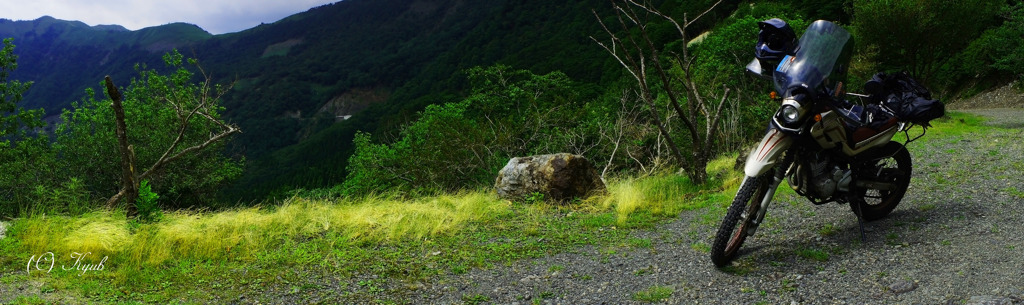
(560, 177)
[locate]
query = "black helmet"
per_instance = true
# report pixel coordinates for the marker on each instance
(775, 40)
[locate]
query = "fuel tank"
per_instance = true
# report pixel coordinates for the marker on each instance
(830, 131)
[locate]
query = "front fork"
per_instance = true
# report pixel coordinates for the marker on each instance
(762, 159)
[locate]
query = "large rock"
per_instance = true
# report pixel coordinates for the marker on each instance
(559, 177)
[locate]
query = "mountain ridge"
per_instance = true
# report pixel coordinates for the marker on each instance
(301, 82)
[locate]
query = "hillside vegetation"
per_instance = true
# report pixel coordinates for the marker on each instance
(359, 97)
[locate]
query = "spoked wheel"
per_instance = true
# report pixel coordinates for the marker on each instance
(893, 168)
(740, 217)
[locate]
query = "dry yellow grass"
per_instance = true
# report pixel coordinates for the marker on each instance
(665, 195)
(242, 234)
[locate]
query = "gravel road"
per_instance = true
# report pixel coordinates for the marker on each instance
(956, 238)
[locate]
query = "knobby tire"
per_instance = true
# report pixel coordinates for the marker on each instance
(731, 232)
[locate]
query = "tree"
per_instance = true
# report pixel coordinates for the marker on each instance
(27, 162)
(692, 102)
(997, 53)
(719, 59)
(510, 113)
(920, 36)
(12, 117)
(174, 129)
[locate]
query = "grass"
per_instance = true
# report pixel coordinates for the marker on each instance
(952, 128)
(1013, 191)
(248, 233)
(828, 230)
(813, 254)
(475, 299)
(370, 241)
(654, 294)
(644, 243)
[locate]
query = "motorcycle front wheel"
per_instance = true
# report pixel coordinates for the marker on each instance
(741, 215)
(894, 167)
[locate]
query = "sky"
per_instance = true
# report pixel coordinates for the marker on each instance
(214, 16)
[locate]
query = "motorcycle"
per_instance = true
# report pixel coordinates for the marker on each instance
(826, 147)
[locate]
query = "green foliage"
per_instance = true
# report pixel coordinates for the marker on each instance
(920, 36)
(534, 198)
(86, 139)
(813, 254)
(719, 61)
(515, 113)
(70, 197)
(998, 53)
(437, 152)
(146, 204)
(654, 294)
(463, 144)
(27, 166)
(12, 117)
(27, 162)
(418, 62)
(475, 299)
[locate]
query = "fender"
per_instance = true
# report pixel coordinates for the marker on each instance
(767, 152)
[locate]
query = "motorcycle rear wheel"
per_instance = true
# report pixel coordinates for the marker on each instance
(741, 215)
(894, 166)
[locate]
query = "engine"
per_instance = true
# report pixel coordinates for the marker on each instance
(815, 174)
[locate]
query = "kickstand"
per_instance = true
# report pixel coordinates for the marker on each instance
(860, 221)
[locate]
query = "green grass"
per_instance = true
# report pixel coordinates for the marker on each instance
(828, 230)
(1013, 191)
(952, 128)
(367, 242)
(654, 294)
(813, 254)
(475, 299)
(644, 243)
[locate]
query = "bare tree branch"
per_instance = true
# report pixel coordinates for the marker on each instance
(642, 54)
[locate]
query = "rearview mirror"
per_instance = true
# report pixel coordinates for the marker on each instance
(754, 68)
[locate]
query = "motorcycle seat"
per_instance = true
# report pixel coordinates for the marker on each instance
(870, 130)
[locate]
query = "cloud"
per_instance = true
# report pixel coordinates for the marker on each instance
(215, 16)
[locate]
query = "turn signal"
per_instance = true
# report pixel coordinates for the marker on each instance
(773, 95)
(817, 117)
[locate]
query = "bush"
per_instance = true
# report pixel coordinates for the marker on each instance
(463, 144)
(87, 138)
(920, 36)
(996, 54)
(146, 205)
(28, 164)
(721, 60)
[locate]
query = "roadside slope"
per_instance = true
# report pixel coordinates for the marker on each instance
(954, 238)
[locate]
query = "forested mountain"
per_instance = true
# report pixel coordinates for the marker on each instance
(65, 57)
(304, 85)
(298, 80)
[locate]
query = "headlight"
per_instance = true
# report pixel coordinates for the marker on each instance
(790, 114)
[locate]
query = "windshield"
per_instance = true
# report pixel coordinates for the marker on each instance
(820, 48)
